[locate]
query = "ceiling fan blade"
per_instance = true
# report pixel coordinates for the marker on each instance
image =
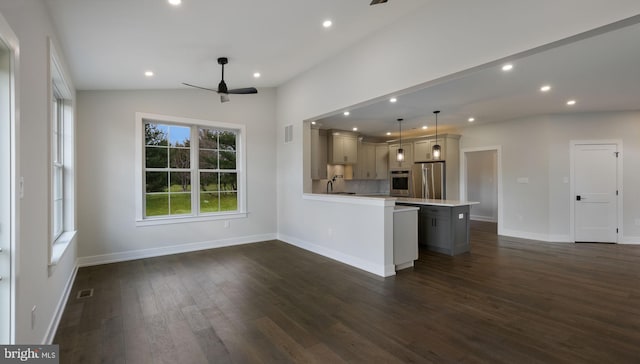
(375, 2)
(243, 91)
(202, 88)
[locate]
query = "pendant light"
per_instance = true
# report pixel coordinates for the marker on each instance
(400, 154)
(435, 152)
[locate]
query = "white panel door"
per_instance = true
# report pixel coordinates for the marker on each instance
(595, 184)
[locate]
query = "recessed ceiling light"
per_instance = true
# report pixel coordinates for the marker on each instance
(424, 127)
(507, 67)
(545, 88)
(571, 102)
(313, 123)
(327, 23)
(257, 75)
(388, 133)
(175, 2)
(346, 113)
(148, 73)
(355, 129)
(471, 120)
(393, 99)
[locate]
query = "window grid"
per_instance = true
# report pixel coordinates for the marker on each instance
(172, 169)
(57, 167)
(217, 168)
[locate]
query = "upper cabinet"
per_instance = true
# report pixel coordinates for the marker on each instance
(408, 156)
(382, 161)
(318, 154)
(343, 147)
(372, 161)
(449, 145)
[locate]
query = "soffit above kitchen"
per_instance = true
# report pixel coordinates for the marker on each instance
(598, 69)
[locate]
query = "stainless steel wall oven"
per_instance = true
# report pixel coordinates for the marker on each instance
(400, 182)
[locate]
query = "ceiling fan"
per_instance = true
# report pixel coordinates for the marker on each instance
(376, 2)
(222, 86)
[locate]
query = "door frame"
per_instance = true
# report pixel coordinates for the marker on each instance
(463, 175)
(572, 192)
(15, 184)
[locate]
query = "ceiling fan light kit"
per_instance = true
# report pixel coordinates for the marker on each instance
(222, 86)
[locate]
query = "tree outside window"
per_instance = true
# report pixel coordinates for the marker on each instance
(174, 163)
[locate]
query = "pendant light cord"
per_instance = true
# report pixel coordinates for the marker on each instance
(400, 130)
(436, 112)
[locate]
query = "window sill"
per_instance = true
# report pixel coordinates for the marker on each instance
(59, 247)
(187, 219)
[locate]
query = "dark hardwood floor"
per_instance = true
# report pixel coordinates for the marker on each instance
(505, 302)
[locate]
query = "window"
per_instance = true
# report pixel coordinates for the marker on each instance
(61, 179)
(57, 166)
(189, 169)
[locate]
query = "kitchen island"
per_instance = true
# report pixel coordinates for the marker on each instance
(359, 230)
(443, 225)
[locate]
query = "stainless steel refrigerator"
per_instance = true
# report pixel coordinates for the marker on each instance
(429, 180)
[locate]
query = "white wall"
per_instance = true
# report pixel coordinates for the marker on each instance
(440, 39)
(482, 186)
(30, 21)
(538, 148)
(106, 194)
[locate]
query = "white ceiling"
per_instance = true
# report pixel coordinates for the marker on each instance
(601, 72)
(110, 43)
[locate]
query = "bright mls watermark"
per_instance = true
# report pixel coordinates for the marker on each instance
(45, 354)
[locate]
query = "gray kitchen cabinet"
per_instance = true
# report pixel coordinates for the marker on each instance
(408, 156)
(318, 154)
(366, 167)
(422, 149)
(444, 229)
(343, 147)
(382, 161)
(372, 161)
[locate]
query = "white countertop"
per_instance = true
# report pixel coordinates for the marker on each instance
(433, 202)
(384, 200)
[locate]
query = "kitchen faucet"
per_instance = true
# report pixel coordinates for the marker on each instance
(330, 183)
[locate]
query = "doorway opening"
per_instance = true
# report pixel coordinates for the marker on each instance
(481, 176)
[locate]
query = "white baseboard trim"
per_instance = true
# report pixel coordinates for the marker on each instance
(631, 240)
(482, 218)
(173, 249)
(377, 269)
(535, 236)
(62, 303)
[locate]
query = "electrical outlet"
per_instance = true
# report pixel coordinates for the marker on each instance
(637, 222)
(33, 317)
(330, 232)
(227, 224)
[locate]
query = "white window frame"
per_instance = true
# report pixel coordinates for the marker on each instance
(140, 119)
(61, 137)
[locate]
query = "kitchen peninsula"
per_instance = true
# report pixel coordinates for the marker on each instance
(358, 230)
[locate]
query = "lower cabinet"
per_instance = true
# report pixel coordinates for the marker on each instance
(444, 229)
